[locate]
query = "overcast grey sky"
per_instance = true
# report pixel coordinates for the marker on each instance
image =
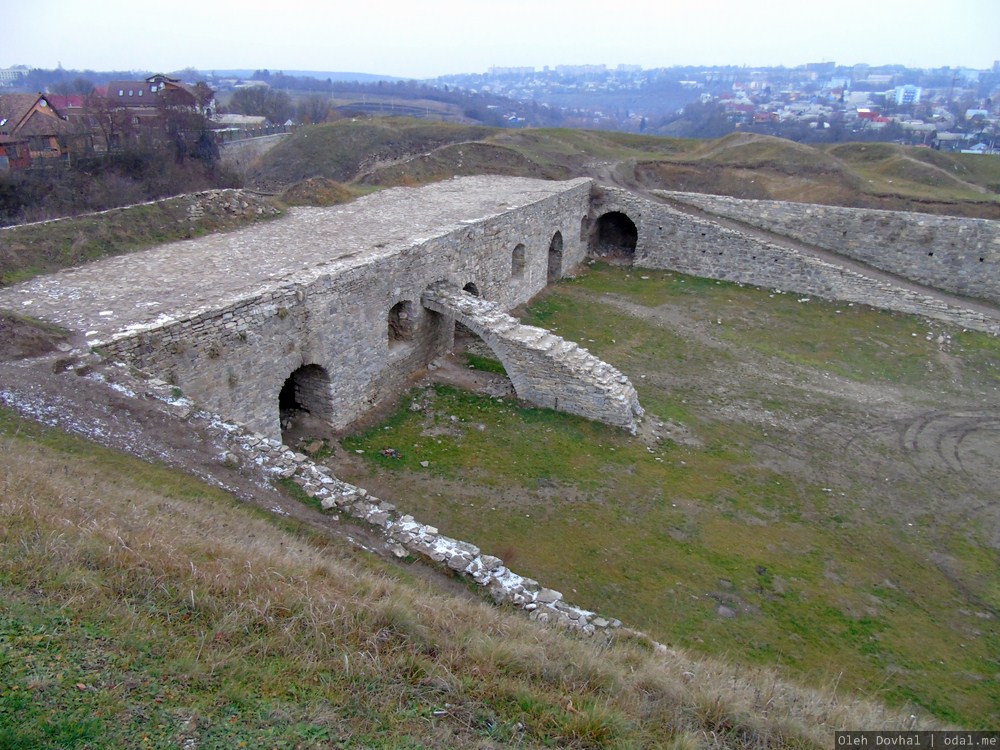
(427, 38)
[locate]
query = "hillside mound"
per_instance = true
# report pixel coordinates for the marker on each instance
(467, 158)
(395, 151)
(21, 337)
(343, 149)
(316, 191)
(752, 151)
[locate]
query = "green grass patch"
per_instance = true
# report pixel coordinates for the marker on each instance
(486, 364)
(459, 434)
(850, 340)
(742, 543)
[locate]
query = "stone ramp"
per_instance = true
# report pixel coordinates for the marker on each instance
(545, 369)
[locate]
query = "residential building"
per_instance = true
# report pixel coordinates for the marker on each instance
(908, 94)
(10, 76)
(32, 131)
(153, 110)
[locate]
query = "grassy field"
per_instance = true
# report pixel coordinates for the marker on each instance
(144, 609)
(787, 528)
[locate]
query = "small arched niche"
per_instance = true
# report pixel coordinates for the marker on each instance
(616, 239)
(517, 262)
(401, 324)
(472, 289)
(555, 257)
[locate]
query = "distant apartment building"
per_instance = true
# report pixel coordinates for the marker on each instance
(511, 71)
(581, 70)
(10, 76)
(908, 94)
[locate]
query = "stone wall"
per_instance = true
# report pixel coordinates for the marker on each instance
(671, 239)
(235, 359)
(240, 156)
(954, 254)
(317, 298)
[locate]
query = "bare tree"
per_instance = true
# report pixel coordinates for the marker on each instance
(314, 109)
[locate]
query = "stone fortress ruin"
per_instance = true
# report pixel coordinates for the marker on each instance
(331, 310)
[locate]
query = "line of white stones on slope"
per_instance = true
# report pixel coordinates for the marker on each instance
(403, 535)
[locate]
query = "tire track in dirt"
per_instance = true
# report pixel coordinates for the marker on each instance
(949, 435)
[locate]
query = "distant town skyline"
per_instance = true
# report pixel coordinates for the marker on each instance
(442, 37)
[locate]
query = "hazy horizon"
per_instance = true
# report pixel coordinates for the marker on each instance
(448, 37)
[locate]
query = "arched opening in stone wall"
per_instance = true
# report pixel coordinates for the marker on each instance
(616, 238)
(462, 333)
(555, 257)
(306, 398)
(517, 262)
(472, 363)
(402, 324)
(474, 366)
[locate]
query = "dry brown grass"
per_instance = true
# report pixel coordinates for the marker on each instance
(238, 608)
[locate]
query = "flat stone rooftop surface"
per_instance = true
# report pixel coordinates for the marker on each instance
(179, 279)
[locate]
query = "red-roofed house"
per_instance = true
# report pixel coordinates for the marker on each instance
(144, 109)
(31, 129)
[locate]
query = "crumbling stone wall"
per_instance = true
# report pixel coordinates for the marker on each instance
(671, 239)
(956, 254)
(186, 210)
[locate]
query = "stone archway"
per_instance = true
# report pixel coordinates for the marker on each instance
(616, 238)
(555, 257)
(307, 391)
(472, 289)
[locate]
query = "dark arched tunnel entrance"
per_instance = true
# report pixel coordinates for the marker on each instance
(616, 238)
(305, 394)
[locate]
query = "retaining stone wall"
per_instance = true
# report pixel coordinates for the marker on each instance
(673, 240)
(240, 156)
(954, 254)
